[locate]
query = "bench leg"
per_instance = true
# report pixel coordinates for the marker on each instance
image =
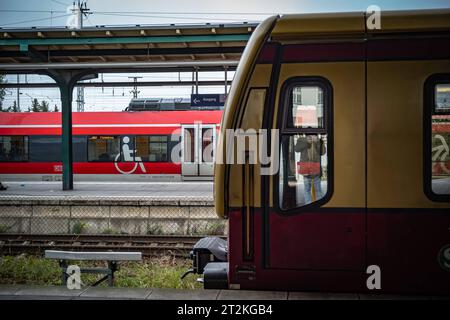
(112, 266)
(63, 265)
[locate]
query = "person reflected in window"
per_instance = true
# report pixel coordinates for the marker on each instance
(311, 148)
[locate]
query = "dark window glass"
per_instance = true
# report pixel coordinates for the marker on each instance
(103, 148)
(13, 148)
(45, 149)
(207, 145)
(151, 148)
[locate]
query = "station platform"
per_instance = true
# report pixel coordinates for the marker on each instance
(26, 292)
(112, 190)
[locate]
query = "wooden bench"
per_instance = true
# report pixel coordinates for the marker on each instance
(113, 258)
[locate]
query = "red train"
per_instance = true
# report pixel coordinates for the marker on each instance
(122, 146)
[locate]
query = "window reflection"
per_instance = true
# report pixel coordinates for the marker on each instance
(307, 107)
(440, 140)
(303, 172)
(13, 148)
(103, 148)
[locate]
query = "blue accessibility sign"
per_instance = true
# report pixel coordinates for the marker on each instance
(207, 100)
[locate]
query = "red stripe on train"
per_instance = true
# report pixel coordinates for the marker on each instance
(90, 168)
(105, 123)
(105, 118)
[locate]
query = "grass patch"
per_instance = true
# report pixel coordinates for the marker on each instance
(162, 272)
(79, 227)
(4, 228)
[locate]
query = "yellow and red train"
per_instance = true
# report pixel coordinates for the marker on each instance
(376, 215)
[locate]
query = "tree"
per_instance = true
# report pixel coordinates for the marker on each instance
(44, 106)
(56, 109)
(35, 107)
(14, 107)
(2, 91)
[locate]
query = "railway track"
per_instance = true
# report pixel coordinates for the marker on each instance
(149, 245)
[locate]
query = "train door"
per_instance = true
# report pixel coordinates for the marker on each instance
(198, 148)
(206, 149)
(316, 219)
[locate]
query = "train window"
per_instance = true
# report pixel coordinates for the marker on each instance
(151, 148)
(13, 148)
(440, 140)
(303, 177)
(103, 148)
(442, 100)
(307, 107)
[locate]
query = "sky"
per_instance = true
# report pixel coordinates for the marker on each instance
(55, 13)
(120, 12)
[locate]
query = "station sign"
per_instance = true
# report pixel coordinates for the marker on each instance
(207, 100)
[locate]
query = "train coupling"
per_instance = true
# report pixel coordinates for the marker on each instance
(210, 258)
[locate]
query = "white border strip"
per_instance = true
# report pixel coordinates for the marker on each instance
(133, 125)
(7, 126)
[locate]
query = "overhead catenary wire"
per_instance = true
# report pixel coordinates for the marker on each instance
(165, 17)
(35, 20)
(148, 12)
(142, 14)
(61, 3)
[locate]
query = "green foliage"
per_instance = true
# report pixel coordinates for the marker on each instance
(44, 106)
(29, 270)
(4, 228)
(113, 231)
(155, 229)
(162, 272)
(208, 229)
(41, 107)
(79, 227)
(35, 107)
(2, 92)
(215, 228)
(15, 107)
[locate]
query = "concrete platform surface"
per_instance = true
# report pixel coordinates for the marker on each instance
(26, 292)
(106, 190)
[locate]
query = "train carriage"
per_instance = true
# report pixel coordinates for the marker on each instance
(111, 146)
(372, 211)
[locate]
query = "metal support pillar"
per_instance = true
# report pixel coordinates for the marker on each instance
(226, 80)
(66, 111)
(196, 80)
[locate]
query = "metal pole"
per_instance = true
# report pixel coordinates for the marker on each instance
(67, 161)
(18, 94)
(135, 90)
(226, 81)
(196, 80)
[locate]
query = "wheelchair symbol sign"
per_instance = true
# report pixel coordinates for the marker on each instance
(128, 157)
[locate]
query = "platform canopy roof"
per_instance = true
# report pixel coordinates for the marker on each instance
(103, 44)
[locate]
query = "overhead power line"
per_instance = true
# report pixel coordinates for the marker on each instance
(32, 11)
(61, 3)
(35, 20)
(148, 12)
(164, 17)
(139, 14)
